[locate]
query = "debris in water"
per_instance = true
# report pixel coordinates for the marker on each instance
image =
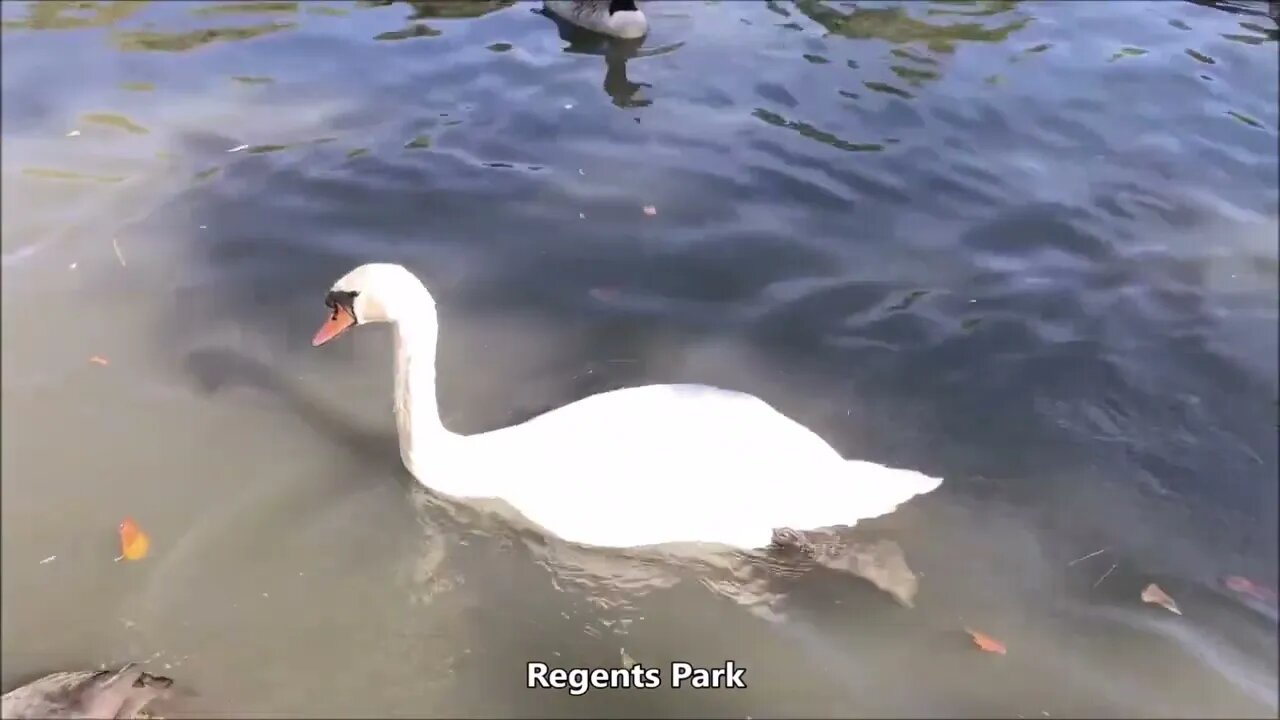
(1086, 557)
(569, 106)
(48, 560)
(238, 148)
(986, 643)
(605, 294)
(72, 266)
(650, 210)
(115, 244)
(73, 133)
(134, 543)
(627, 661)
(1106, 574)
(98, 360)
(1154, 595)
(1245, 586)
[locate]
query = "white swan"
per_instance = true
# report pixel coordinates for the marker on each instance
(617, 18)
(639, 466)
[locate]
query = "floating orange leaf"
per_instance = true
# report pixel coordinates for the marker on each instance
(1154, 595)
(133, 542)
(98, 360)
(985, 642)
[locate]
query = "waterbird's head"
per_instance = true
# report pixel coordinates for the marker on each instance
(376, 292)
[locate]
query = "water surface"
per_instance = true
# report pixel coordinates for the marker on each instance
(1027, 247)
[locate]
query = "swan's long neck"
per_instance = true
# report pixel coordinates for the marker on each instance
(417, 413)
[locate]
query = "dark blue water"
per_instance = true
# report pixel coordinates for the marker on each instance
(1028, 247)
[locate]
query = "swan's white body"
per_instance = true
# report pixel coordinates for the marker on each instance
(640, 466)
(595, 15)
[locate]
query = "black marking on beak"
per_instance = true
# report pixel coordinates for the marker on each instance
(342, 301)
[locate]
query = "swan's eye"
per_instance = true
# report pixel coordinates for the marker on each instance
(341, 300)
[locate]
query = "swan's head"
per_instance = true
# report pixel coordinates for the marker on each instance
(626, 21)
(377, 292)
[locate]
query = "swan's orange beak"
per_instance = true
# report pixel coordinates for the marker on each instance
(332, 328)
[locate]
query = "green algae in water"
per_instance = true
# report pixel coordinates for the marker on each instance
(150, 41)
(908, 55)
(235, 8)
(1125, 52)
(1201, 57)
(53, 174)
(887, 89)
(913, 76)
(120, 122)
(413, 31)
(314, 9)
(1246, 120)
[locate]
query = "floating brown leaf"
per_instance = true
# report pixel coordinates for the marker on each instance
(986, 643)
(1154, 595)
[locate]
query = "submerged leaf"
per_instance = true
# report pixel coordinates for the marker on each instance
(1154, 595)
(1245, 586)
(985, 642)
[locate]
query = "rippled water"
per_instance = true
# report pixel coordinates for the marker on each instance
(1029, 247)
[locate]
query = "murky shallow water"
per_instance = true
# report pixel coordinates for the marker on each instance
(1028, 247)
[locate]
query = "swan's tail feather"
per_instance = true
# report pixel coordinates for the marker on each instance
(856, 490)
(875, 490)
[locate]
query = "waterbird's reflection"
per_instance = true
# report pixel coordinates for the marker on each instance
(446, 9)
(616, 53)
